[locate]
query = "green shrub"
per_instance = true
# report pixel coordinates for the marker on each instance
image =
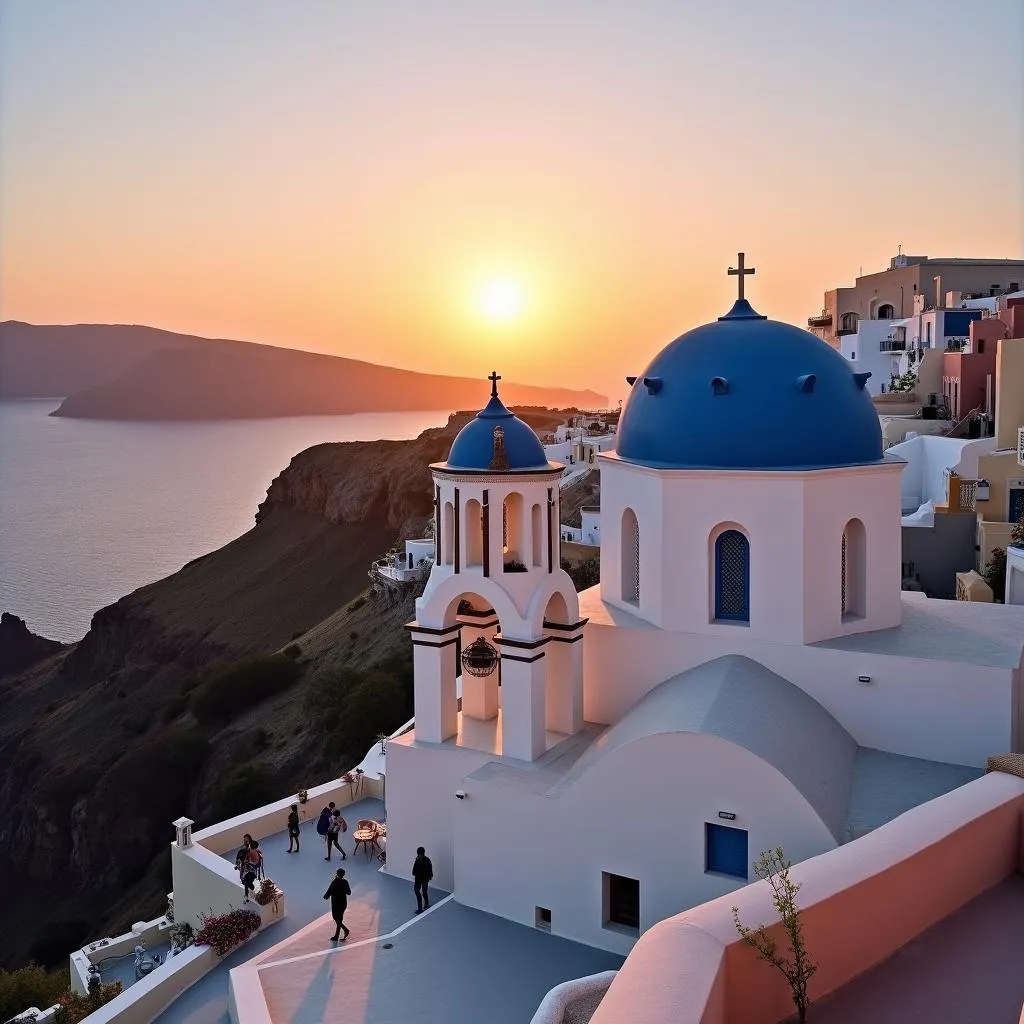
(31, 986)
(377, 703)
(293, 651)
(75, 1008)
(242, 789)
(995, 573)
(584, 574)
(242, 684)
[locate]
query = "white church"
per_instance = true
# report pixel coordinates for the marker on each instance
(747, 674)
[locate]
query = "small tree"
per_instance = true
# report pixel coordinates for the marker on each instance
(797, 967)
(995, 573)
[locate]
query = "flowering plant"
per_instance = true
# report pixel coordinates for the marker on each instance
(267, 893)
(302, 796)
(1017, 533)
(223, 932)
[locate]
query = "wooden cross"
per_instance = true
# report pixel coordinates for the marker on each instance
(741, 271)
(494, 378)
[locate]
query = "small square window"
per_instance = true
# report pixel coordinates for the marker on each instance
(542, 918)
(621, 902)
(725, 850)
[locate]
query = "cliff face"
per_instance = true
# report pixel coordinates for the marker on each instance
(20, 648)
(100, 748)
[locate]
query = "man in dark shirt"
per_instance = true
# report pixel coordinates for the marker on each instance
(338, 893)
(422, 873)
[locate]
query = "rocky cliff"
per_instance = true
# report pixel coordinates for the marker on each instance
(101, 744)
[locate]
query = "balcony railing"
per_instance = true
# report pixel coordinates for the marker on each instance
(397, 572)
(823, 319)
(893, 345)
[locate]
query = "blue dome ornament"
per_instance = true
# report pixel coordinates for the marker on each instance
(746, 392)
(496, 441)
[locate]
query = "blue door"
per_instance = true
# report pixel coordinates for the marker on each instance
(725, 850)
(1016, 504)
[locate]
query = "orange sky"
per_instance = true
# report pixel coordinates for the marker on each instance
(348, 180)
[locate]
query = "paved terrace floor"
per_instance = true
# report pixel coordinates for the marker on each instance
(968, 969)
(453, 965)
(446, 957)
(379, 905)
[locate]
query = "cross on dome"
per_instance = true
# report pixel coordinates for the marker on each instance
(494, 378)
(741, 272)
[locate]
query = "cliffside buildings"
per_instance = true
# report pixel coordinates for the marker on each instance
(745, 676)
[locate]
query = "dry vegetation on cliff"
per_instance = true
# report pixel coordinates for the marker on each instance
(101, 745)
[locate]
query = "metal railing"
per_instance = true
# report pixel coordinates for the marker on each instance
(892, 345)
(389, 569)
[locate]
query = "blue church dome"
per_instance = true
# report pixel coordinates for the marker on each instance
(746, 392)
(495, 441)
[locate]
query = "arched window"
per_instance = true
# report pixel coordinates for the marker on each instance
(848, 322)
(473, 531)
(853, 581)
(537, 534)
(448, 543)
(732, 577)
(512, 529)
(886, 312)
(630, 557)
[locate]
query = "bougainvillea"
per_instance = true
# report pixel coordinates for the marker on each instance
(225, 931)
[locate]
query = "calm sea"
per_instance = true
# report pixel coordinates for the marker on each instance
(91, 510)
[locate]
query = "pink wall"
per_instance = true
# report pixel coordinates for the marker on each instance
(862, 902)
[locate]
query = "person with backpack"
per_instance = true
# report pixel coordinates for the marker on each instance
(338, 893)
(252, 868)
(422, 873)
(293, 829)
(336, 826)
(324, 821)
(243, 852)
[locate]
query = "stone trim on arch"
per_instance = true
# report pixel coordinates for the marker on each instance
(558, 582)
(435, 609)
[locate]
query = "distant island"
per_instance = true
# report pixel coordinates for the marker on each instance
(127, 372)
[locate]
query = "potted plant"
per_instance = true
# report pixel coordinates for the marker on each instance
(302, 796)
(222, 932)
(382, 739)
(268, 893)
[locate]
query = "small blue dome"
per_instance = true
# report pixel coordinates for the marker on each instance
(496, 441)
(746, 392)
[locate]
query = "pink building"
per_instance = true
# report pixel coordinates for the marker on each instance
(968, 377)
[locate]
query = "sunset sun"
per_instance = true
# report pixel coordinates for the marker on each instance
(501, 300)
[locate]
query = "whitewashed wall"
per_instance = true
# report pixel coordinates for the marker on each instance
(794, 522)
(517, 850)
(422, 781)
(939, 710)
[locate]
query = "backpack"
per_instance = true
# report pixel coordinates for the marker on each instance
(323, 822)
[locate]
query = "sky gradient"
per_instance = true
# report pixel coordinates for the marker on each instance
(348, 178)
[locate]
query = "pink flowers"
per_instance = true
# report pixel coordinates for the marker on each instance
(225, 931)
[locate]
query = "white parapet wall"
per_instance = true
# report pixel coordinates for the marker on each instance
(553, 1007)
(144, 1001)
(147, 934)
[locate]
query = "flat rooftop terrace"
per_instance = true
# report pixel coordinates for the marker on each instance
(969, 968)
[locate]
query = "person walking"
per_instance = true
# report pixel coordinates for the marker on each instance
(252, 868)
(338, 893)
(243, 852)
(293, 829)
(336, 826)
(422, 873)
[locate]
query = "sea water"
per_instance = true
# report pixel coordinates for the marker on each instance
(92, 509)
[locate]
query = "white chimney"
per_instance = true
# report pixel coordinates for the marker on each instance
(183, 826)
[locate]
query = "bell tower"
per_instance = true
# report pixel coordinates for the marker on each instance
(498, 623)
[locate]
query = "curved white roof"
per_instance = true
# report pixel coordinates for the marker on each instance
(742, 702)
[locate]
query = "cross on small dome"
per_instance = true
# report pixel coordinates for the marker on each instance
(741, 272)
(494, 378)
